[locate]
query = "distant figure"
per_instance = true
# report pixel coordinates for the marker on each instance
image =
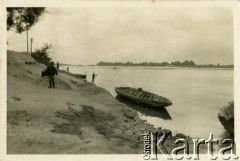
(67, 68)
(57, 65)
(50, 72)
(93, 77)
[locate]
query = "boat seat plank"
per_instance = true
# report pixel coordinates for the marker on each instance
(149, 96)
(160, 98)
(232, 111)
(130, 91)
(152, 96)
(143, 95)
(135, 92)
(139, 94)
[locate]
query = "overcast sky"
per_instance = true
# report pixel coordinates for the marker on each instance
(90, 35)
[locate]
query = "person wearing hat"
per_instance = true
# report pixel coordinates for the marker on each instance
(51, 71)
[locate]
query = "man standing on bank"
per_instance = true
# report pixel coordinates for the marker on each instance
(93, 77)
(51, 71)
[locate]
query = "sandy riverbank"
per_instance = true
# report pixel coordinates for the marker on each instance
(96, 122)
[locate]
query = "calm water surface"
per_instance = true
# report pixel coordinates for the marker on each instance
(197, 94)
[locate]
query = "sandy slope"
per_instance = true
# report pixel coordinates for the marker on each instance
(34, 126)
(100, 123)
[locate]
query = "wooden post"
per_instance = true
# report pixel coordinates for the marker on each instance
(27, 41)
(31, 45)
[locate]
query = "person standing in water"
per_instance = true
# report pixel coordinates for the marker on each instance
(57, 65)
(93, 77)
(51, 71)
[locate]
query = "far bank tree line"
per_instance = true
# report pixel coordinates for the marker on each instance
(185, 63)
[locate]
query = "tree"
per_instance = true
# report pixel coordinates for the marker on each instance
(192, 63)
(41, 55)
(176, 63)
(23, 18)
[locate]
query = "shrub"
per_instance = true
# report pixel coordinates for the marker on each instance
(41, 55)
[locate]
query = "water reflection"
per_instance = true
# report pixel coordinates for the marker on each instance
(145, 109)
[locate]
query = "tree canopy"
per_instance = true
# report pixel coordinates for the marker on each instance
(23, 18)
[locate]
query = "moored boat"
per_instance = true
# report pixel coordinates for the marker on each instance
(226, 117)
(141, 96)
(83, 76)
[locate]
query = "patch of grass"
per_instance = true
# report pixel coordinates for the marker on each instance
(19, 116)
(89, 117)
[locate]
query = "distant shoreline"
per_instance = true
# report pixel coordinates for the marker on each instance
(169, 67)
(186, 63)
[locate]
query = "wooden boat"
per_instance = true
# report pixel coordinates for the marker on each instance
(83, 76)
(226, 117)
(141, 96)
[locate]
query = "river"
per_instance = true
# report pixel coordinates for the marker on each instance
(197, 94)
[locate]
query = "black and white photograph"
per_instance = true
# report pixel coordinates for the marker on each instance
(155, 80)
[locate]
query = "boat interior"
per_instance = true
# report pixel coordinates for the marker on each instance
(143, 94)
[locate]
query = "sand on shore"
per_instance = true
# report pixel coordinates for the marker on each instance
(94, 121)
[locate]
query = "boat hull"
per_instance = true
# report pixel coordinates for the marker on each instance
(140, 96)
(226, 117)
(83, 76)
